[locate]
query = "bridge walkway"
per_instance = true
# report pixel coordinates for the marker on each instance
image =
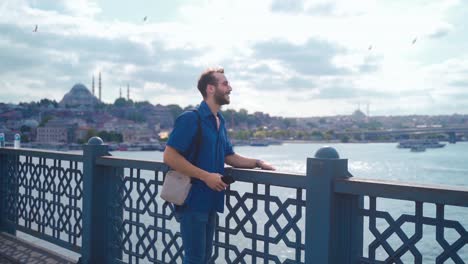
(15, 250)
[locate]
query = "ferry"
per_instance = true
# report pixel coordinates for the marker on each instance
(259, 143)
(418, 149)
(426, 143)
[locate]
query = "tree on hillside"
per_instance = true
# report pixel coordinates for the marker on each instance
(45, 119)
(25, 128)
(175, 110)
(110, 136)
(46, 102)
(142, 104)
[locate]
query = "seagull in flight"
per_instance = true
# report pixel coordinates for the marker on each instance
(35, 29)
(144, 19)
(414, 41)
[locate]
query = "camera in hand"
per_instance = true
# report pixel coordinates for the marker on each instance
(227, 179)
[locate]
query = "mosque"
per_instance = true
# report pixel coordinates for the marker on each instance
(80, 96)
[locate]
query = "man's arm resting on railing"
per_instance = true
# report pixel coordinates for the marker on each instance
(176, 161)
(239, 161)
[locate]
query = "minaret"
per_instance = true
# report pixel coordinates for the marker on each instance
(128, 92)
(120, 93)
(367, 116)
(92, 85)
(100, 87)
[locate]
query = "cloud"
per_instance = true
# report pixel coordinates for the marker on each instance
(293, 6)
(279, 65)
(440, 31)
(76, 7)
(282, 57)
(339, 88)
(460, 83)
(322, 9)
(61, 60)
(334, 8)
(181, 76)
(313, 58)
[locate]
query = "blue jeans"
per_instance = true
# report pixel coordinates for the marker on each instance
(197, 231)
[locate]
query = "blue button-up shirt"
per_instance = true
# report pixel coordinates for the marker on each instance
(215, 145)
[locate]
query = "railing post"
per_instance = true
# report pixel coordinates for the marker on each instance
(2, 192)
(333, 226)
(95, 193)
(3, 195)
(7, 223)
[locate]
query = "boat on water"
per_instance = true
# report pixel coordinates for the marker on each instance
(418, 149)
(264, 142)
(259, 143)
(159, 146)
(426, 143)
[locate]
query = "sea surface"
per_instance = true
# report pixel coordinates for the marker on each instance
(446, 166)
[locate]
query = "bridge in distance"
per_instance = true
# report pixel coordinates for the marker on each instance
(452, 132)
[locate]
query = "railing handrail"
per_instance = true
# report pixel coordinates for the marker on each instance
(437, 194)
(39, 153)
(282, 179)
(142, 164)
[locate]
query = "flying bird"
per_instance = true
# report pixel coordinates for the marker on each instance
(414, 41)
(35, 29)
(144, 19)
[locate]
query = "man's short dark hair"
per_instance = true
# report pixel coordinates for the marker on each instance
(207, 77)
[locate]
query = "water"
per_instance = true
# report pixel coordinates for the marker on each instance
(377, 161)
(446, 166)
(384, 161)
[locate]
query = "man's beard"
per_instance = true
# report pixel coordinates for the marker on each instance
(220, 97)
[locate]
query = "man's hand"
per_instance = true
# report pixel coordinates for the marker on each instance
(213, 180)
(264, 166)
(238, 161)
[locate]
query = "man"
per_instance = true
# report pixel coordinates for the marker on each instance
(206, 198)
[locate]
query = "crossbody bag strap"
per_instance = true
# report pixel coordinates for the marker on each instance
(198, 140)
(198, 137)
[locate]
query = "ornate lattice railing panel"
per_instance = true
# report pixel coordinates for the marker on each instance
(44, 196)
(424, 233)
(148, 230)
(262, 224)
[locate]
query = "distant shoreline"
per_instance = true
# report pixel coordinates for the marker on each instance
(333, 142)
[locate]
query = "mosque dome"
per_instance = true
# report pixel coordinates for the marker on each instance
(80, 89)
(358, 115)
(79, 95)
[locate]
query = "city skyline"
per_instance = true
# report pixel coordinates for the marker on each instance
(284, 58)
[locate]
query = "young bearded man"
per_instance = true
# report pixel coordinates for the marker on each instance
(206, 198)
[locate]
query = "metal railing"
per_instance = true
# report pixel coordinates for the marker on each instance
(108, 209)
(41, 195)
(420, 197)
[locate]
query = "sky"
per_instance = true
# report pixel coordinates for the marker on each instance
(291, 58)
